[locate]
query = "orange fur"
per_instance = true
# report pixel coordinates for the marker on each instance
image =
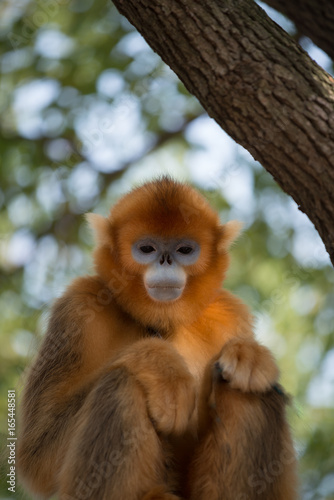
(142, 400)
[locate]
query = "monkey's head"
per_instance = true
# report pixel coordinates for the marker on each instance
(163, 252)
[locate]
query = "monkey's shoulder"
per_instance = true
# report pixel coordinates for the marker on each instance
(88, 316)
(87, 296)
(87, 285)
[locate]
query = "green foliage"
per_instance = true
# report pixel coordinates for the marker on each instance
(87, 111)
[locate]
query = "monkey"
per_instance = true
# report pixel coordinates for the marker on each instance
(149, 383)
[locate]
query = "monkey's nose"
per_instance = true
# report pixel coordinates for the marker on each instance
(166, 258)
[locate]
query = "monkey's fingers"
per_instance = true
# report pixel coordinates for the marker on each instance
(160, 494)
(171, 406)
(247, 366)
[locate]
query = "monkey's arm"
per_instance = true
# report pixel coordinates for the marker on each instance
(168, 385)
(118, 449)
(87, 337)
(245, 448)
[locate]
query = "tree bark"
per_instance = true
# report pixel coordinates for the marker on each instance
(313, 18)
(259, 86)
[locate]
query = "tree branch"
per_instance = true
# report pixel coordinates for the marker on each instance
(313, 18)
(258, 84)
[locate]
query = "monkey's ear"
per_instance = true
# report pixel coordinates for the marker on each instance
(229, 233)
(101, 228)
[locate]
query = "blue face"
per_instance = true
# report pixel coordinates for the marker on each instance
(166, 260)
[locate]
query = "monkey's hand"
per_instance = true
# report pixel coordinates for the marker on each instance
(247, 365)
(166, 381)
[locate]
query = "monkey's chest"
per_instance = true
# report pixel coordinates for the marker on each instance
(196, 350)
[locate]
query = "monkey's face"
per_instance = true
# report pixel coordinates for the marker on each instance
(163, 252)
(166, 262)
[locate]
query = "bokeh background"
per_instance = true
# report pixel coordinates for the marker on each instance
(89, 111)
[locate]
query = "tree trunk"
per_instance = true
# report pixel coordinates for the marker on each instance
(258, 84)
(313, 18)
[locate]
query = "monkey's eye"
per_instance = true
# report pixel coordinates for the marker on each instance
(147, 249)
(185, 250)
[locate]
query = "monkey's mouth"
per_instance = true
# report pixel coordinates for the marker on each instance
(165, 293)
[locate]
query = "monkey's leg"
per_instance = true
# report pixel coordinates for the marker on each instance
(246, 453)
(115, 452)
